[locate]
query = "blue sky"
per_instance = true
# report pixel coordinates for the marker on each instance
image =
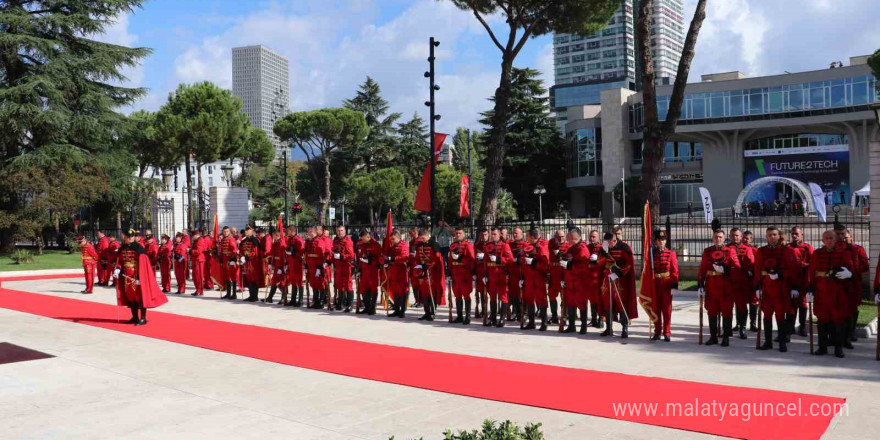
(334, 44)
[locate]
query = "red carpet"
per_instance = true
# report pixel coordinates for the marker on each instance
(566, 389)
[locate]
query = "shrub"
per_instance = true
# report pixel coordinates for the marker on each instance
(492, 430)
(22, 256)
(71, 243)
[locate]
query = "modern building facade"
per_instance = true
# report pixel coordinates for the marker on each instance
(261, 78)
(746, 140)
(586, 65)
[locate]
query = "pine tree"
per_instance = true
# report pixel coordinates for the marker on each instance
(377, 150)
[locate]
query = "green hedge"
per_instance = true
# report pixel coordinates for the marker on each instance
(492, 430)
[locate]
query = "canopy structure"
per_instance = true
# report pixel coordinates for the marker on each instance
(860, 194)
(800, 187)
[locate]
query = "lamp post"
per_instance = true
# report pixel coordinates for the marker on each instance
(227, 172)
(432, 43)
(167, 175)
(540, 191)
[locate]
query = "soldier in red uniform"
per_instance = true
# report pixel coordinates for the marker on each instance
(429, 272)
(802, 253)
(594, 279)
(827, 284)
(748, 239)
(101, 248)
(252, 260)
(462, 266)
(165, 262)
(862, 266)
(514, 274)
(741, 279)
(266, 243)
(480, 272)
(558, 246)
(110, 254)
(535, 266)
(343, 263)
(773, 264)
(413, 244)
(295, 249)
(89, 262)
(136, 281)
(240, 283)
(369, 256)
(180, 264)
(210, 256)
(714, 283)
(197, 258)
(618, 295)
(576, 263)
(317, 262)
(152, 248)
(228, 248)
(396, 263)
(665, 264)
(277, 268)
(498, 257)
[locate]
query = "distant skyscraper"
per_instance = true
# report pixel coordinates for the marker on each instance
(261, 78)
(586, 65)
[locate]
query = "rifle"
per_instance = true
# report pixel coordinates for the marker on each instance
(522, 306)
(308, 286)
(357, 305)
(758, 317)
(810, 317)
(564, 311)
(700, 340)
(449, 298)
(878, 337)
(485, 301)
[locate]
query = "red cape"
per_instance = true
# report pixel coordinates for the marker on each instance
(151, 296)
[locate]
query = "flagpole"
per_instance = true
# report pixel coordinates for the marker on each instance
(623, 183)
(470, 183)
(433, 87)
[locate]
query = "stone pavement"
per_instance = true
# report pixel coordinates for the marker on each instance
(105, 384)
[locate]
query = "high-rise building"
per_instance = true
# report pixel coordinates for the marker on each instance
(261, 78)
(587, 64)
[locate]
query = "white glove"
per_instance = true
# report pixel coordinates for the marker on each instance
(337, 256)
(529, 260)
(385, 265)
(562, 283)
(566, 264)
(279, 271)
(613, 276)
(137, 282)
(520, 283)
(605, 246)
(594, 257)
(758, 293)
(288, 252)
(419, 266)
(795, 293)
(774, 276)
(809, 296)
(455, 257)
(844, 274)
(702, 291)
(480, 255)
(877, 299)
(242, 260)
(180, 259)
(718, 268)
(318, 272)
(485, 280)
(232, 263)
(365, 261)
(557, 252)
(116, 273)
(493, 258)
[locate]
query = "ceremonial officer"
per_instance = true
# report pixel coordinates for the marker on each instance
(802, 253)
(618, 296)
(343, 262)
(576, 263)
(773, 263)
(89, 262)
(514, 274)
(110, 254)
(277, 268)
(266, 243)
(480, 273)
(748, 239)
(230, 262)
(828, 279)
(210, 257)
(862, 265)
(413, 244)
(251, 258)
(318, 257)
(430, 274)
(294, 254)
(197, 258)
(498, 257)
(369, 258)
(462, 263)
(101, 248)
(136, 281)
(665, 264)
(594, 279)
(558, 246)
(396, 264)
(152, 248)
(713, 283)
(181, 251)
(535, 266)
(740, 279)
(165, 262)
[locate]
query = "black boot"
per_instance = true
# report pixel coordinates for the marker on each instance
(427, 308)
(491, 319)
(234, 291)
(852, 331)
(741, 318)
(790, 321)
(134, 316)
(268, 299)
(839, 339)
(543, 327)
(713, 330)
(753, 316)
(726, 323)
(802, 319)
(823, 340)
(478, 312)
(782, 325)
(228, 291)
(572, 319)
(301, 296)
(768, 334)
(513, 310)
(609, 331)
(402, 307)
(594, 315)
(624, 325)
(583, 322)
(467, 312)
(848, 331)
(349, 300)
(504, 306)
(531, 313)
(364, 306)
(143, 320)
(459, 305)
(554, 319)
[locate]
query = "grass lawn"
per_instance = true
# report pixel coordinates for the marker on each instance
(867, 312)
(50, 259)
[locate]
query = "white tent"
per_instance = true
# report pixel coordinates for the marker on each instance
(860, 195)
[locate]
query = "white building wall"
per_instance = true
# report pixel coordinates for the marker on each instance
(230, 205)
(261, 78)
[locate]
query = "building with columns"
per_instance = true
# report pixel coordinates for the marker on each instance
(745, 139)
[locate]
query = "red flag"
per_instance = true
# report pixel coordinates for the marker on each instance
(423, 196)
(216, 269)
(464, 209)
(647, 293)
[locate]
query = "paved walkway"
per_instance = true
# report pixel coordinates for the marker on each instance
(104, 384)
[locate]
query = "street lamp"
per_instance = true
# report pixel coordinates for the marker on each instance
(227, 172)
(167, 175)
(540, 191)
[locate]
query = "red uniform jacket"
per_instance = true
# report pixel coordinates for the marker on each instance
(830, 294)
(342, 267)
(713, 282)
(620, 261)
(112, 252)
(164, 255)
(253, 266)
(199, 249)
(431, 261)
(397, 259)
(497, 270)
(152, 250)
(180, 252)
(137, 285)
(101, 248)
(278, 262)
(228, 251)
(462, 260)
(773, 259)
(665, 268)
(369, 256)
(535, 274)
(514, 273)
(295, 249)
(480, 264)
(88, 254)
(802, 253)
(743, 273)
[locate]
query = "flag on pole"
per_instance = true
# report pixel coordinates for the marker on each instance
(647, 293)
(464, 209)
(423, 196)
(708, 211)
(216, 269)
(819, 202)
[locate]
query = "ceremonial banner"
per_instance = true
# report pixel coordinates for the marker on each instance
(819, 201)
(216, 269)
(707, 204)
(464, 209)
(386, 248)
(423, 196)
(646, 291)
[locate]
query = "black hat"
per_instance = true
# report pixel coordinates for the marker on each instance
(660, 234)
(608, 236)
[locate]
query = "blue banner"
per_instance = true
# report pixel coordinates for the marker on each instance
(826, 166)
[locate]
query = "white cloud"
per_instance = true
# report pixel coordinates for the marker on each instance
(731, 39)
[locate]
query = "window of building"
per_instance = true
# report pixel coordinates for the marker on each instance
(586, 153)
(577, 58)
(593, 56)
(577, 47)
(797, 140)
(609, 53)
(592, 45)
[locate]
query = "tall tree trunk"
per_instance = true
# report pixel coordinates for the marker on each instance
(189, 210)
(325, 193)
(496, 147)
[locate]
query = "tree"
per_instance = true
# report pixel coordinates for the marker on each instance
(411, 148)
(377, 149)
(256, 149)
(57, 102)
(142, 142)
(874, 62)
(377, 191)
(535, 150)
(320, 133)
(635, 202)
(525, 19)
(460, 145)
(201, 122)
(656, 133)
